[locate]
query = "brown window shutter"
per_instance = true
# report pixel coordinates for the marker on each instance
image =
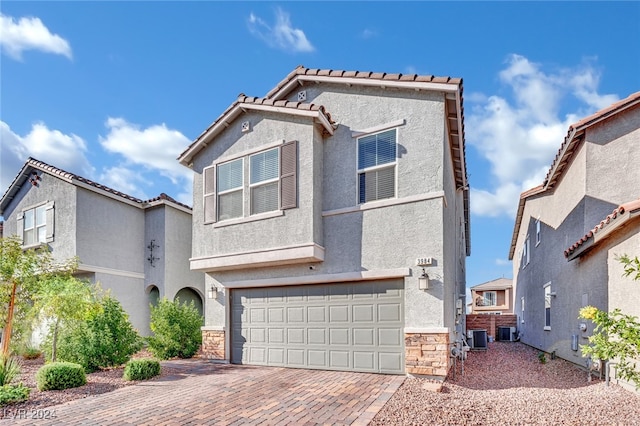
(289, 175)
(209, 191)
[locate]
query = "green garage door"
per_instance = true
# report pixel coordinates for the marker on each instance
(343, 326)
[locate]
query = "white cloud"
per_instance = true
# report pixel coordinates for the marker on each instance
(124, 180)
(155, 148)
(520, 137)
(503, 262)
(368, 33)
(280, 35)
(64, 151)
(29, 34)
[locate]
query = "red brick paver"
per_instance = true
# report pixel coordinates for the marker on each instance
(203, 393)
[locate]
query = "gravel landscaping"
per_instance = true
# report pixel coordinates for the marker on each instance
(508, 385)
(97, 383)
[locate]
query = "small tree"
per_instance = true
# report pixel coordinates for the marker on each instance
(21, 274)
(64, 298)
(617, 335)
(176, 329)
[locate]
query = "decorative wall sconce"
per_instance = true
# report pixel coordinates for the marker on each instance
(423, 280)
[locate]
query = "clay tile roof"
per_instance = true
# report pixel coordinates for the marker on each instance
(33, 163)
(165, 197)
(605, 224)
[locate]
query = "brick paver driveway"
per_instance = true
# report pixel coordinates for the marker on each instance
(203, 393)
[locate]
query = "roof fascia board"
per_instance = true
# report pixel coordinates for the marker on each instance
(291, 111)
(420, 85)
(169, 204)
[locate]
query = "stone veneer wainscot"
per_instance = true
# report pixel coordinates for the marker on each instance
(427, 353)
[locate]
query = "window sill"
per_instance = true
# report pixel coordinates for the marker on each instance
(34, 246)
(384, 203)
(240, 220)
(547, 328)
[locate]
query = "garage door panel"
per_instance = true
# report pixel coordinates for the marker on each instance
(339, 336)
(363, 336)
(295, 336)
(317, 336)
(389, 337)
(317, 358)
(389, 312)
(363, 313)
(295, 315)
(364, 361)
(389, 362)
(338, 313)
(339, 359)
(342, 326)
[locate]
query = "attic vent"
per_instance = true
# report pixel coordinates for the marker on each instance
(245, 126)
(302, 96)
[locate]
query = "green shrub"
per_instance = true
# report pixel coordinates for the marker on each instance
(542, 357)
(176, 329)
(30, 352)
(13, 393)
(106, 339)
(9, 369)
(141, 369)
(60, 375)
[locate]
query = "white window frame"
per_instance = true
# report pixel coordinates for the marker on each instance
(547, 305)
(35, 228)
(522, 309)
(526, 252)
(264, 182)
(393, 164)
(229, 191)
(495, 298)
(537, 232)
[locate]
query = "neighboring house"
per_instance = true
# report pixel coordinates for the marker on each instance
(313, 207)
(138, 250)
(492, 297)
(594, 174)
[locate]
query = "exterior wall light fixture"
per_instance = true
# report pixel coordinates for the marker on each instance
(423, 280)
(212, 292)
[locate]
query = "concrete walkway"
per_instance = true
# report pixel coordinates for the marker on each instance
(203, 393)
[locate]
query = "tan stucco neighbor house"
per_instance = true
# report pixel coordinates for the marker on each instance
(331, 220)
(137, 249)
(570, 230)
(492, 297)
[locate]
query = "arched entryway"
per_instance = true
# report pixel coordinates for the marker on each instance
(187, 295)
(153, 295)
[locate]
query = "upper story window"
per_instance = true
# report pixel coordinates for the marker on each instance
(35, 225)
(264, 181)
(537, 232)
(259, 182)
(230, 189)
(526, 252)
(490, 298)
(377, 166)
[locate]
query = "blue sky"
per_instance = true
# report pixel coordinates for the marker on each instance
(114, 91)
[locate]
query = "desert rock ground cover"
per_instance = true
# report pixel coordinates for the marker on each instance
(508, 385)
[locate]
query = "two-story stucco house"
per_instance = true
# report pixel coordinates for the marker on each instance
(493, 297)
(594, 174)
(331, 218)
(138, 250)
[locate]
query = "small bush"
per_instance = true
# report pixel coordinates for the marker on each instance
(13, 393)
(31, 353)
(9, 369)
(176, 329)
(542, 357)
(107, 339)
(60, 375)
(141, 369)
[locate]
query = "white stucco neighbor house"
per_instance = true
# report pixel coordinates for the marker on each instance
(138, 250)
(331, 220)
(570, 230)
